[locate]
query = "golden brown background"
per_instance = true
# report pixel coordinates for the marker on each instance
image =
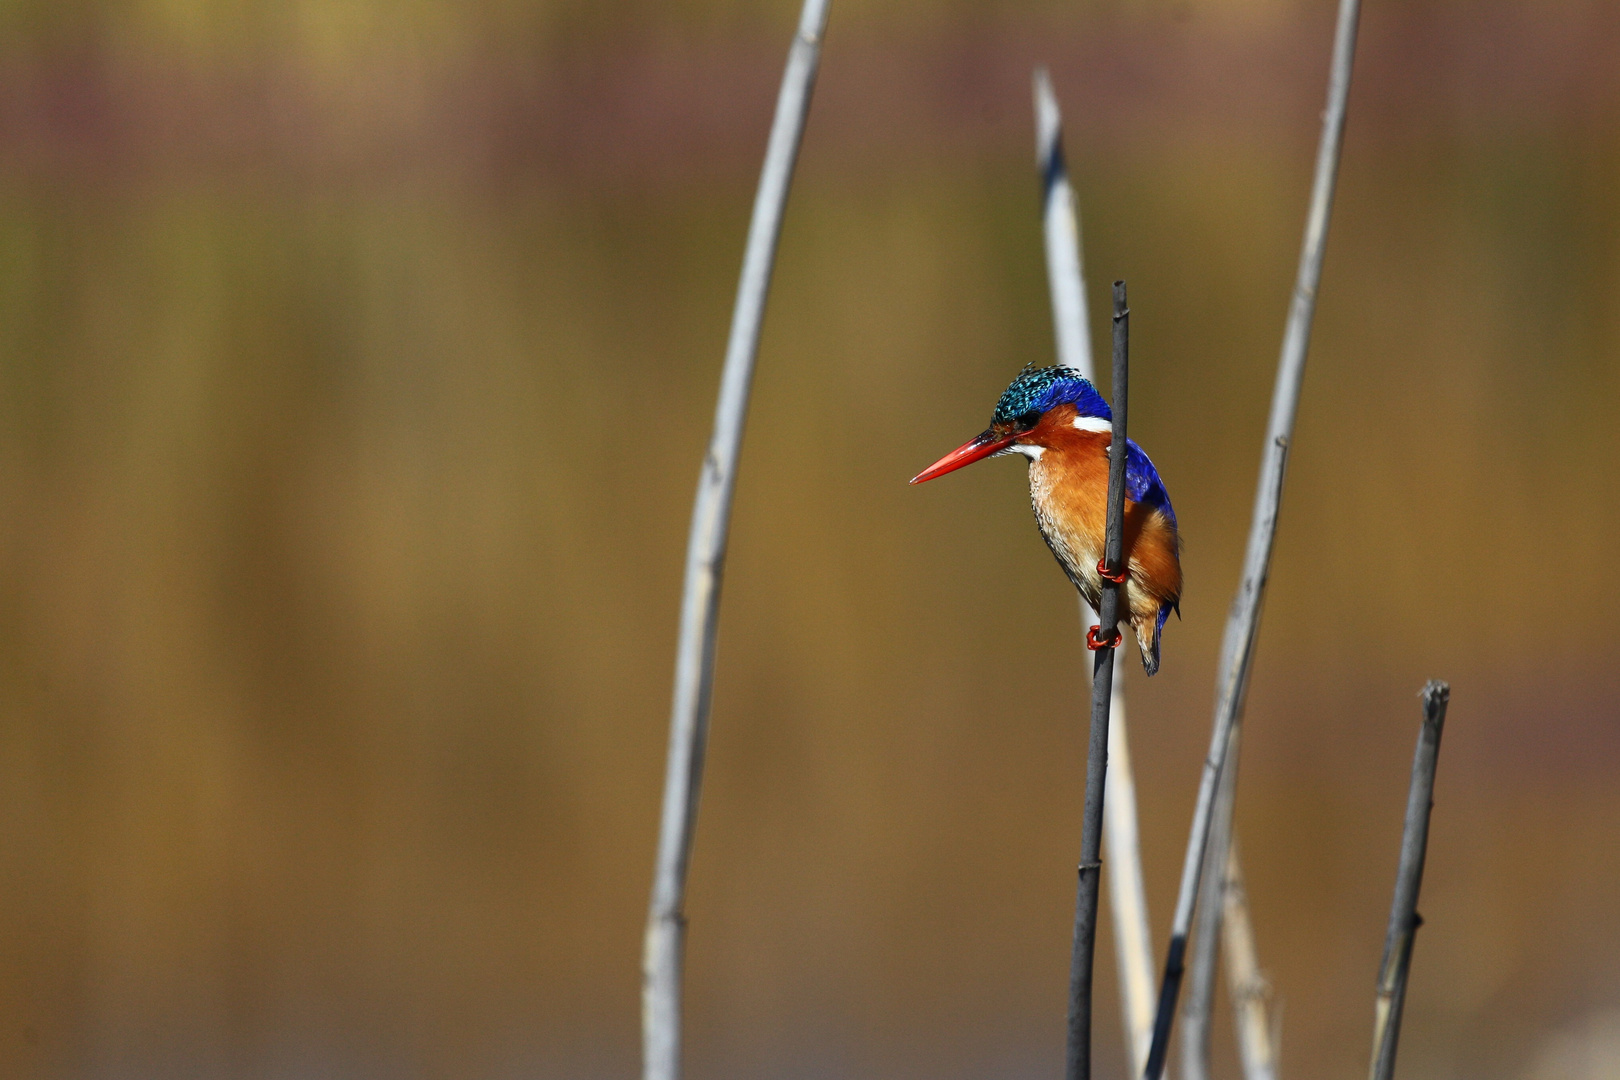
(356, 358)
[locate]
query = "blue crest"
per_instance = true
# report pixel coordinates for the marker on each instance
(1039, 389)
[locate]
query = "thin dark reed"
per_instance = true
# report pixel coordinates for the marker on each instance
(705, 563)
(1404, 919)
(1102, 681)
(1243, 622)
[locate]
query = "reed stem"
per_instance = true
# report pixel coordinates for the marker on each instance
(1257, 1030)
(1061, 230)
(705, 563)
(1196, 1014)
(1244, 619)
(1127, 891)
(1127, 894)
(1404, 919)
(1102, 682)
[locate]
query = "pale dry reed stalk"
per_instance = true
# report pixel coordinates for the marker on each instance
(1197, 1010)
(1223, 925)
(1127, 895)
(1243, 622)
(705, 563)
(1258, 1025)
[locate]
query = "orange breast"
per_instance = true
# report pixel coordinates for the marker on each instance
(1069, 487)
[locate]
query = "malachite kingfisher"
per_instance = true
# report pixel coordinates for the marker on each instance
(1055, 418)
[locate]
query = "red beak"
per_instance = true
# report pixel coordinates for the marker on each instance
(981, 446)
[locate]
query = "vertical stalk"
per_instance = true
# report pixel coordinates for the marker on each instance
(1196, 1014)
(1403, 917)
(1244, 620)
(705, 563)
(1102, 681)
(1257, 1035)
(1218, 905)
(1127, 894)
(1223, 930)
(1061, 230)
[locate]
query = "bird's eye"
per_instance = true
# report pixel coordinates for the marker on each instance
(1029, 420)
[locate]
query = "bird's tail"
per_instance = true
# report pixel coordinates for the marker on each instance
(1147, 629)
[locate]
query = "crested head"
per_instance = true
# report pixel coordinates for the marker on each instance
(1037, 390)
(1043, 407)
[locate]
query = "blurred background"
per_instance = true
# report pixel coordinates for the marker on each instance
(356, 361)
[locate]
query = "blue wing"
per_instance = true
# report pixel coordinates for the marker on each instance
(1142, 483)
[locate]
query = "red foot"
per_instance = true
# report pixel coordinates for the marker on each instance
(1093, 642)
(1117, 579)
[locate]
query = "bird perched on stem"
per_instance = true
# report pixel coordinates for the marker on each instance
(1055, 418)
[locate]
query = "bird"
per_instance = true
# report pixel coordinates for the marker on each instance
(1054, 417)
